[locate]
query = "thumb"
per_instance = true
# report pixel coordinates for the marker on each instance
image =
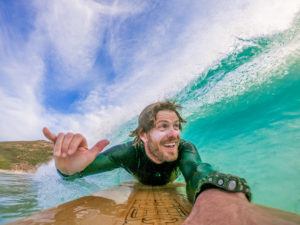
(99, 147)
(50, 136)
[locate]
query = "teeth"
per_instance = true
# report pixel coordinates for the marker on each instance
(170, 145)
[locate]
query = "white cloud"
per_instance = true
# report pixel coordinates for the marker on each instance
(74, 29)
(20, 107)
(72, 32)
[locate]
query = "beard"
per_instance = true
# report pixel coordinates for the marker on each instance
(161, 152)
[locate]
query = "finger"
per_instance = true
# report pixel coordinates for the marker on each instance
(77, 141)
(58, 144)
(50, 136)
(99, 147)
(66, 143)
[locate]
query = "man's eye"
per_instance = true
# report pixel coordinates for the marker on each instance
(176, 126)
(163, 126)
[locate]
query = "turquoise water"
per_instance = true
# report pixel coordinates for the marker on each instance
(243, 114)
(246, 117)
(18, 196)
(257, 135)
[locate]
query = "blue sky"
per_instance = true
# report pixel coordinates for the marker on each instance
(87, 66)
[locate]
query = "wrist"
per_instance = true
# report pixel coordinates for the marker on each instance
(218, 195)
(226, 182)
(64, 171)
(215, 206)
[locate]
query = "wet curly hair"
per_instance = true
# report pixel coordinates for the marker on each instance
(147, 118)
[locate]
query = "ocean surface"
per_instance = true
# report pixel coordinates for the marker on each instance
(243, 114)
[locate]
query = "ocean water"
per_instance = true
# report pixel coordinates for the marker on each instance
(246, 117)
(243, 114)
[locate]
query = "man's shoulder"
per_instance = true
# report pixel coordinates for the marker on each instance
(185, 145)
(122, 153)
(124, 147)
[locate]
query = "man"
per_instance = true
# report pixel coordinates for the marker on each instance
(156, 157)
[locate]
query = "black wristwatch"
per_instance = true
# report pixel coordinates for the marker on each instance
(226, 182)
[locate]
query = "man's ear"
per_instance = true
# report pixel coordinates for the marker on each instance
(143, 137)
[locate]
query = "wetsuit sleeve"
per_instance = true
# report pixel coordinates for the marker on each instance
(200, 176)
(110, 159)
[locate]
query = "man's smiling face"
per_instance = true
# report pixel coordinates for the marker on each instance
(162, 141)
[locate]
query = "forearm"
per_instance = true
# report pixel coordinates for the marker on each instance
(204, 177)
(102, 163)
(215, 206)
(200, 176)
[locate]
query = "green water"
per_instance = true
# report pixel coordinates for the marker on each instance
(244, 115)
(18, 196)
(257, 136)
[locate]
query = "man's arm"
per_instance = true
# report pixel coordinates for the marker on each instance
(200, 176)
(73, 158)
(70, 151)
(112, 158)
(217, 207)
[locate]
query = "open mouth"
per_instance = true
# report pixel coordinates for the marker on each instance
(170, 145)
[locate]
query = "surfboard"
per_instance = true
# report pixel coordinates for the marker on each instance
(130, 204)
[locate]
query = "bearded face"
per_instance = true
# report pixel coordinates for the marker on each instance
(162, 141)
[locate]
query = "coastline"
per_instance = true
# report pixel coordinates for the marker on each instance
(19, 157)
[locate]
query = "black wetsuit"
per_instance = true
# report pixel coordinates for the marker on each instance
(134, 159)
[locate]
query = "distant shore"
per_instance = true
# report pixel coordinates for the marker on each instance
(24, 156)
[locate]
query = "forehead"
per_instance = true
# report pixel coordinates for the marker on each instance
(166, 115)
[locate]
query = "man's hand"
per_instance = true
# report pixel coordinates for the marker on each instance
(70, 151)
(217, 207)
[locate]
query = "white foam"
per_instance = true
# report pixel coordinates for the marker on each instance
(271, 63)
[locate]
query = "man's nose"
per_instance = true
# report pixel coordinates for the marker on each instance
(173, 133)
